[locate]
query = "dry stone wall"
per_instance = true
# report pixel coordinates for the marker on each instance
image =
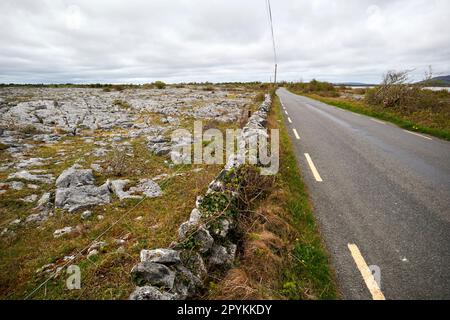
(205, 242)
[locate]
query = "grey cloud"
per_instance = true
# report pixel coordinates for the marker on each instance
(219, 40)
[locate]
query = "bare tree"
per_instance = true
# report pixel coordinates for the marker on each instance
(428, 76)
(394, 89)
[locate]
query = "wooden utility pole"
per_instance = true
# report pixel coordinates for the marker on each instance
(275, 78)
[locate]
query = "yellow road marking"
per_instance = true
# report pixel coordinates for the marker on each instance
(296, 134)
(419, 135)
(289, 119)
(313, 168)
(367, 275)
(378, 121)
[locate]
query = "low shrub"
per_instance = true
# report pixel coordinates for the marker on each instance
(159, 85)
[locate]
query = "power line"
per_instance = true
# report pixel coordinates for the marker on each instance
(269, 12)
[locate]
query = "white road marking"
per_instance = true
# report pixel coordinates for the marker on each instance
(289, 119)
(286, 112)
(296, 134)
(377, 121)
(419, 135)
(367, 275)
(313, 168)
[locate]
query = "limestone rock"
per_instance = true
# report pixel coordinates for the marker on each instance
(26, 175)
(222, 228)
(43, 210)
(16, 185)
(117, 187)
(200, 236)
(149, 273)
(86, 215)
(75, 198)
(195, 216)
(62, 232)
(164, 256)
(221, 255)
(149, 188)
(194, 262)
(186, 283)
(74, 178)
(150, 293)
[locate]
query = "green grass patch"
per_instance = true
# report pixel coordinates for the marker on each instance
(309, 274)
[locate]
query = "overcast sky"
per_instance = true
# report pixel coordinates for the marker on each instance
(140, 41)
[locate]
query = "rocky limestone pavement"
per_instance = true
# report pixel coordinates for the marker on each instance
(71, 110)
(28, 176)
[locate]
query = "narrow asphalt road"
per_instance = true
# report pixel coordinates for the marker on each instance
(380, 188)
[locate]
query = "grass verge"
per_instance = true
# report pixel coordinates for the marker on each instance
(282, 255)
(309, 274)
(364, 109)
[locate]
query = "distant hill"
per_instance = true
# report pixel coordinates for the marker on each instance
(441, 81)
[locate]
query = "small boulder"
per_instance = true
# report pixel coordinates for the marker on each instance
(164, 256)
(61, 232)
(200, 236)
(75, 198)
(155, 274)
(117, 187)
(195, 217)
(194, 262)
(186, 283)
(221, 255)
(75, 177)
(148, 187)
(86, 215)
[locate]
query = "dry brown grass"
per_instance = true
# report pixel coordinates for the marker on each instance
(236, 285)
(263, 255)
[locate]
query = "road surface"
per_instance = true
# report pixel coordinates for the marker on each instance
(381, 196)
